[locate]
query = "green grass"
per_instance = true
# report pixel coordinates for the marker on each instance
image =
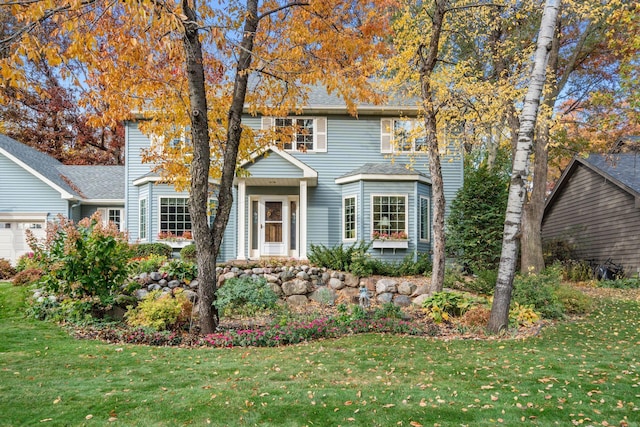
(585, 372)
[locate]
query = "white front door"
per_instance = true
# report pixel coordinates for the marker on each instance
(273, 224)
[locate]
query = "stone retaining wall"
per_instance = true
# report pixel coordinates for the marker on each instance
(297, 285)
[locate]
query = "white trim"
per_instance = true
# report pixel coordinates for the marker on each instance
(355, 225)
(23, 216)
(428, 199)
(146, 219)
(145, 180)
(240, 254)
(382, 177)
(94, 202)
(63, 193)
(302, 220)
(294, 252)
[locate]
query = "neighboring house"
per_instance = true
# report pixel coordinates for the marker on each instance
(340, 181)
(595, 207)
(35, 188)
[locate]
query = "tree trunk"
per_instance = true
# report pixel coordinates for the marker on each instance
(199, 195)
(499, 318)
(208, 241)
(428, 56)
(531, 260)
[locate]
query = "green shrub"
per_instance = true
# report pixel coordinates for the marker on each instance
(26, 277)
(441, 306)
(84, 260)
(522, 315)
(245, 296)
(484, 283)
(476, 221)
(340, 257)
(161, 311)
(576, 270)
(148, 264)
(188, 253)
(631, 283)
(388, 310)
(26, 261)
(6, 270)
(538, 291)
(178, 269)
(573, 300)
(143, 250)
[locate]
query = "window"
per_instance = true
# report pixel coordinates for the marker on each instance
(349, 218)
(389, 215)
(142, 219)
(174, 216)
(298, 134)
(402, 136)
(408, 136)
(424, 218)
(113, 215)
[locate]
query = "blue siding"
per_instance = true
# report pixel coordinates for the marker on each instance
(23, 192)
(273, 165)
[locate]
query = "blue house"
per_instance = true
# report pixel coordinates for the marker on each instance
(35, 188)
(340, 180)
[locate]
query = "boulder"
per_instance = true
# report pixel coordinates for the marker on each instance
(140, 293)
(155, 276)
(276, 288)
(173, 284)
(420, 299)
(351, 281)
(406, 288)
(193, 284)
(323, 295)
(296, 287)
(302, 275)
(402, 300)
(191, 296)
(386, 286)
(297, 300)
(385, 297)
(336, 283)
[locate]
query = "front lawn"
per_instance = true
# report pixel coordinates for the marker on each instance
(581, 372)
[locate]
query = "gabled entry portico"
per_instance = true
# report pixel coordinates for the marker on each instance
(272, 206)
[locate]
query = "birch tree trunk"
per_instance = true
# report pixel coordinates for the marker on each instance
(499, 318)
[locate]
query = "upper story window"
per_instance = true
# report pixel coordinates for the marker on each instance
(298, 134)
(402, 136)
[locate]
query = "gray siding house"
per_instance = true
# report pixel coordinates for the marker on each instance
(35, 188)
(340, 181)
(595, 207)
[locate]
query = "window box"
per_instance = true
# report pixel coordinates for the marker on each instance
(177, 244)
(390, 244)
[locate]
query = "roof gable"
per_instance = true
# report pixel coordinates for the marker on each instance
(621, 169)
(72, 182)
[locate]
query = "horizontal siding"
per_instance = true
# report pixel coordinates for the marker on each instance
(23, 192)
(136, 141)
(273, 165)
(599, 218)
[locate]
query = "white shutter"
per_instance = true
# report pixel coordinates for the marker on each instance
(386, 128)
(267, 124)
(321, 135)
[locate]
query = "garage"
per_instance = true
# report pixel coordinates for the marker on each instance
(13, 233)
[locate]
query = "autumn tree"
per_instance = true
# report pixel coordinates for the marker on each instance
(499, 318)
(582, 67)
(45, 114)
(193, 66)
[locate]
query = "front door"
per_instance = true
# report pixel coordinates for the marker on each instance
(274, 227)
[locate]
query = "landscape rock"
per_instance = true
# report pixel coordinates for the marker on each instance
(420, 299)
(386, 286)
(351, 281)
(336, 283)
(297, 300)
(155, 276)
(296, 287)
(385, 297)
(406, 288)
(402, 300)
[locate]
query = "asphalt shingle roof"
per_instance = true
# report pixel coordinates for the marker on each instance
(383, 169)
(85, 182)
(623, 167)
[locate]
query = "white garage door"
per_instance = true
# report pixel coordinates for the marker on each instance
(13, 238)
